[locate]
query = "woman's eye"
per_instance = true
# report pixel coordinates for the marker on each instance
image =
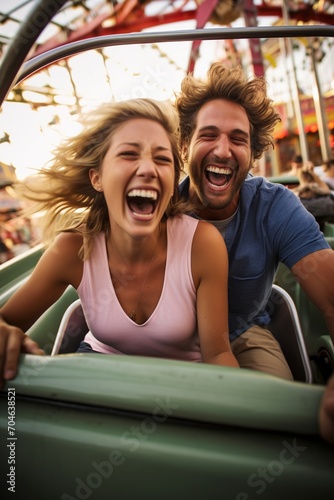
(164, 159)
(128, 153)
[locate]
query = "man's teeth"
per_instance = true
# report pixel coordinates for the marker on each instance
(143, 193)
(219, 170)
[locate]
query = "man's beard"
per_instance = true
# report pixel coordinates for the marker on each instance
(218, 203)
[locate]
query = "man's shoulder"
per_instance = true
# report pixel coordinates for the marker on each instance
(261, 182)
(262, 187)
(261, 198)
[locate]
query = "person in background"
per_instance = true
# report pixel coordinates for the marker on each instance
(152, 281)
(328, 175)
(5, 252)
(315, 195)
(296, 164)
(226, 123)
(310, 184)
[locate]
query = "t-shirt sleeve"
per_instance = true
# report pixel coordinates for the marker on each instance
(296, 232)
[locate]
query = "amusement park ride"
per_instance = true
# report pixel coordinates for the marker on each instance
(78, 20)
(127, 427)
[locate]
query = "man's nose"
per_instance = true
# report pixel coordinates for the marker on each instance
(222, 147)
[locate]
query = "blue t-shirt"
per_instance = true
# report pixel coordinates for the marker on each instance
(270, 226)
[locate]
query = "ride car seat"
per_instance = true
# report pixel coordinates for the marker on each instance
(71, 331)
(286, 328)
(284, 325)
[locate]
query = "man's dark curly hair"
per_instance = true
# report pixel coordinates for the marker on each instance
(230, 84)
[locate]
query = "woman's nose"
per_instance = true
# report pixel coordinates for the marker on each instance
(147, 167)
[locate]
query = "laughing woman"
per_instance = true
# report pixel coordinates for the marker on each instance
(152, 281)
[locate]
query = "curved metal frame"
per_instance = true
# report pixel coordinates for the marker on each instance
(37, 63)
(37, 20)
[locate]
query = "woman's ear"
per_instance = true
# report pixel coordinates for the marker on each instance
(184, 153)
(94, 176)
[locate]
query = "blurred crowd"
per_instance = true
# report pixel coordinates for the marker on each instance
(16, 235)
(17, 232)
(315, 188)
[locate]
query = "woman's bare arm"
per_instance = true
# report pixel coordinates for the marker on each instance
(210, 271)
(59, 267)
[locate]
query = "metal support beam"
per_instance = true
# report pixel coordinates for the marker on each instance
(319, 108)
(203, 14)
(250, 16)
(294, 84)
(37, 20)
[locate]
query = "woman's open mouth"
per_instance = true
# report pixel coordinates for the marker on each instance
(142, 202)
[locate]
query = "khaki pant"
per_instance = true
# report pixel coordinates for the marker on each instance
(257, 349)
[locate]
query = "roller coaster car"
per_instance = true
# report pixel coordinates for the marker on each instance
(289, 181)
(80, 426)
(137, 427)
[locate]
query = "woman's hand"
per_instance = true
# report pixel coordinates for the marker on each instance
(13, 341)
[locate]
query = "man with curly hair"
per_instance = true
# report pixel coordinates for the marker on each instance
(226, 123)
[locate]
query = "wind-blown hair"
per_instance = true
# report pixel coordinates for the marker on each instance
(63, 189)
(230, 84)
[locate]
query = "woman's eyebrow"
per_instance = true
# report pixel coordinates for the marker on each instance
(137, 144)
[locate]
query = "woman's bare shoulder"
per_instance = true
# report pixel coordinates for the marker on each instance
(63, 256)
(207, 234)
(209, 253)
(68, 242)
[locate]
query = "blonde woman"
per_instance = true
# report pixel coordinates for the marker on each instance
(152, 281)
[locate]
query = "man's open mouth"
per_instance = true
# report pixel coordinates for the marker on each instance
(142, 202)
(218, 176)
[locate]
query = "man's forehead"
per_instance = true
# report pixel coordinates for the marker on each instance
(221, 113)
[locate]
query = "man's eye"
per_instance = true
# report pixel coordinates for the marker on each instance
(207, 135)
(240, 140)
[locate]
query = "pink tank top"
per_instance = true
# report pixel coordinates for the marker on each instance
(171, 330)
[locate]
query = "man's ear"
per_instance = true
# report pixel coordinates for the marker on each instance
(94, 176)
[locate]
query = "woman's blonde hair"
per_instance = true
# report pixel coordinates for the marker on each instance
(230, 84)
(63, 189)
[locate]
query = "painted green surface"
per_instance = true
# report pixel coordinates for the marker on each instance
(15, 271)
(125, 427)
(313, 324)
(199, 392)
(329, 230)
(94, 426)
(286, 180)
(67, 453)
